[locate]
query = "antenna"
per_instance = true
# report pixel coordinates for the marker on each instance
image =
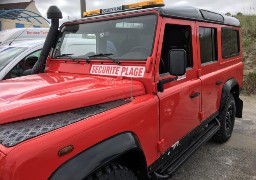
(21, 33)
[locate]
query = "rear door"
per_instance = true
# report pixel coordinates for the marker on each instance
(180, 102)
(209, 67)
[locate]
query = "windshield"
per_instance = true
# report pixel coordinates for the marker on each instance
(125, 39)
(7, 55)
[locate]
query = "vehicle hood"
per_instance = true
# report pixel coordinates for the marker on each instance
(48, 93)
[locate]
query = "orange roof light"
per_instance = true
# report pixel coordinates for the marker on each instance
(90, 13)
(144, 4)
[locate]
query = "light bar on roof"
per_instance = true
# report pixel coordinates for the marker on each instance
(145, 4)
(151, 3)
(90, 13)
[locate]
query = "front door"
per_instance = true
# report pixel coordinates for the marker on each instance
(181, 100)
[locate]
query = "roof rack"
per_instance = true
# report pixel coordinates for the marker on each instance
(192, 13)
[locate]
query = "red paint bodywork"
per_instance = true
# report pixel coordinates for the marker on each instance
(56, 92)
(152, 116)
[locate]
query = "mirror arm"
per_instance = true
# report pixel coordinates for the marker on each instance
(161, 83)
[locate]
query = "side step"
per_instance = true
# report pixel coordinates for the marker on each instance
(167, 171)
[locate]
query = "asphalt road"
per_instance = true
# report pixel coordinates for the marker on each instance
(234, 160)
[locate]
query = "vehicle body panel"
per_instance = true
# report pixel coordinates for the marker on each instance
(217, 72)
(179, 114)
(52, 93)
(139, 117)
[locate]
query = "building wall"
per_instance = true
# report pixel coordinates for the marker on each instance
(32, 7)
(8, 24)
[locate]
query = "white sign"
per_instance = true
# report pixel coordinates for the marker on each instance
(114, 70)
(111, 10)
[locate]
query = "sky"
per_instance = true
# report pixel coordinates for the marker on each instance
(71, 8)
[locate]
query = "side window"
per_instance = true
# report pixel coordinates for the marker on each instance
(25, 64)
(208, 44)
(35, 54)
(230, 42)
(175, 37)
(30, 60)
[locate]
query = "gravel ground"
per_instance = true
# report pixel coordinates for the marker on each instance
(234, 160)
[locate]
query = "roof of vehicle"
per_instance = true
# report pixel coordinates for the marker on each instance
(22, 29)
(23, 33)
(188, 12)
(185, 12)
(23, 43)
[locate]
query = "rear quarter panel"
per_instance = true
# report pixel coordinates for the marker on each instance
(221, 70)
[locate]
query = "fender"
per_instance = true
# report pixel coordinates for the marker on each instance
(232, 86)
(96, 156)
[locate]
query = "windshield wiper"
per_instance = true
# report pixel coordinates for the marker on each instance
(64, 55)
(104, 55)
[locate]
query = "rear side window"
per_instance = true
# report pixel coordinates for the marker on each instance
(230, 42)
(208, 44)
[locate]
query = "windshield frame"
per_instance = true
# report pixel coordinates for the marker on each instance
(108, 17)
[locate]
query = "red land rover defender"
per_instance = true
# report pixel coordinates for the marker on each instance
(125, 93)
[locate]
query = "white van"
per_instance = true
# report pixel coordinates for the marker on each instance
(6, 36)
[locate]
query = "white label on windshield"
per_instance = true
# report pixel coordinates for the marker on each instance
(114, 70)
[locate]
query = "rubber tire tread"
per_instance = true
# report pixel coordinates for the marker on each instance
(113, 171)
(221, 136)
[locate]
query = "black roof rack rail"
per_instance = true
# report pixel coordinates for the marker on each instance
(191, 13)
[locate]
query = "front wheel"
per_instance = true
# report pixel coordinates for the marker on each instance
(113, 172)
(227, 121)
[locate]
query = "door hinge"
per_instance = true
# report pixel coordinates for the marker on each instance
(161, 146)
(199, 72)
(201, 115)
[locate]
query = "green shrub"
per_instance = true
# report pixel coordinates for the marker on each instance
(248, 27)
(249, 85)
(248, 24)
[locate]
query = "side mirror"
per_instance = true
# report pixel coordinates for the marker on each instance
(177, 59)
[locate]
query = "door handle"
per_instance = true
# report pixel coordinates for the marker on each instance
(218, 83)
(192, 96)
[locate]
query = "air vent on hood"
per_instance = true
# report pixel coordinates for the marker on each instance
(14, 133)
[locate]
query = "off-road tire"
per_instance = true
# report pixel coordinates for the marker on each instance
(227, 121)
(113, 172)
